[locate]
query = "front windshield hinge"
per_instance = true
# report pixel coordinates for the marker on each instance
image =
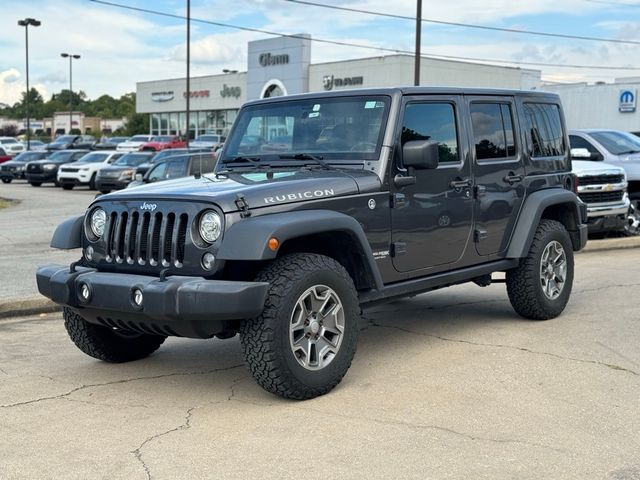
(242, 205)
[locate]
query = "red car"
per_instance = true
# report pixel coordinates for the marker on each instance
(163, 142)
(4, 157)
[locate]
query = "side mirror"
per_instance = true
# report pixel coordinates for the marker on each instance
(420, 154)
(138, 177)
(580, 154)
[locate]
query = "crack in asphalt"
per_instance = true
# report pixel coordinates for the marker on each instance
(186, 425)
(116, 382)
(510, 347)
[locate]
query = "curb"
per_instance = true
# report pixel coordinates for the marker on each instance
(34, 305)
(612, 244)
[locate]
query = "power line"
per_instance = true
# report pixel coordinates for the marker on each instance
(615, 4)
(358, 45)
(470, 25)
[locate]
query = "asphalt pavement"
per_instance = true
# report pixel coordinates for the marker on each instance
(447, 385)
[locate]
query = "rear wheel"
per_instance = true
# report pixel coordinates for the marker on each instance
(108, 344)
(35, 184)
(303, 343)
(539, 288)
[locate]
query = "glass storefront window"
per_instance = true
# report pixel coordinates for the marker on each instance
(216, 122)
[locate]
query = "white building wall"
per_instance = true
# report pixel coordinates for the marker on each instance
(596, 106)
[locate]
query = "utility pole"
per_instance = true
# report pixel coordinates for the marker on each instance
(416, 75)
(188, 69)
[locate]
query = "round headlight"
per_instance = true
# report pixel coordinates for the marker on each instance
(98, 221)
(210, 226)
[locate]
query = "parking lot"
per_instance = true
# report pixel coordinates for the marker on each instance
(450, 384)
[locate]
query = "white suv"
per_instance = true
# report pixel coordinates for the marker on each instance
(11, 146)
(134, 143)
(85, 170)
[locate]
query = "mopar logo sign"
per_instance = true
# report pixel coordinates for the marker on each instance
(627, 101)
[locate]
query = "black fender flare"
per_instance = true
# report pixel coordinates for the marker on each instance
(531, 213)
(68, 235)
(248, 239)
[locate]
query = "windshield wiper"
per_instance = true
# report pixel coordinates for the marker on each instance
(307, 156)
(252, 160)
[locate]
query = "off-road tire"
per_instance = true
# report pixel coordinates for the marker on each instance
(7, 180)
(523, 282)
(35, 184)
(265, 340)
(105, 344)
(67, 186)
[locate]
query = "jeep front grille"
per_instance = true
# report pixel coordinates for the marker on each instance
(149, 238)
(601, 197)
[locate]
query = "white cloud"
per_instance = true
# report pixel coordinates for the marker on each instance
(12, 86)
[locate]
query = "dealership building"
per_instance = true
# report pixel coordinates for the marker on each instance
(282, 66)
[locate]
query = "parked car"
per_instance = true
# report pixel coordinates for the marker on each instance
(110, 143)
(121, 172)
(4, 156)
(162, 142)
(15, 168)
(436, 187)
(85, 170)
(72, 142)
(134, 143)
(211, 142)
(603, 187)
(46, 170)
(163, 155)
(616, 148)
(177, 167)
(34, 144)
(11, 146)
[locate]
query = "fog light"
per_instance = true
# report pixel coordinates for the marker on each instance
(88, 253)
(85, 292)
(137, 297)
(208, 261)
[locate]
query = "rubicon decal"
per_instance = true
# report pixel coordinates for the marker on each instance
(300, 196)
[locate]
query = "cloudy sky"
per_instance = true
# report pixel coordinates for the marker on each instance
(120, 47)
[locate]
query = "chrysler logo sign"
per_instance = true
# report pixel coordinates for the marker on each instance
(162, 96)
(329, 82)
(266, 59)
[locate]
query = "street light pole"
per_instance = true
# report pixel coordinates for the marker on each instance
(25, 23)
(188, 70)
(416, 75)
(71, 57)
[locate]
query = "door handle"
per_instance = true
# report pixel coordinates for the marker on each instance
(458, 183)
(512, 178)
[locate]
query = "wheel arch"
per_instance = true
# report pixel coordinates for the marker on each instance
(68, 235)
(325, 232)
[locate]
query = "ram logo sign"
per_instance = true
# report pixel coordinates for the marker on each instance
(628, 101)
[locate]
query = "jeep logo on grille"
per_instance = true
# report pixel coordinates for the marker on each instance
(148, 206)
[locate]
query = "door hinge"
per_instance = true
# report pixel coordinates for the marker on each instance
(242, 205)
(398, 248)
(479, 235)
(398, 200)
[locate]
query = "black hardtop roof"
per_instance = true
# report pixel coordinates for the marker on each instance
(410, 91)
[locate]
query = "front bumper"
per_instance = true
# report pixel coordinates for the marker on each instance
(111, 184)
(42, 177)
(73, 178)
(178, 306)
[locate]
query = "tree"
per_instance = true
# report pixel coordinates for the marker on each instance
(137, 123)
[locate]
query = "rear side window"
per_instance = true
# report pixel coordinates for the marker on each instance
(543, 129)
(432, 121)
(493, 131)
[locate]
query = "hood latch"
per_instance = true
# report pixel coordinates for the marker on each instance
(242, 205)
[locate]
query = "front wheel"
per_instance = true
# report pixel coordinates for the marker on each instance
(92, 182)
(67, 186)
(303, 343)
(6, 180)
(108, 344)
(35, 184)
(539, 288)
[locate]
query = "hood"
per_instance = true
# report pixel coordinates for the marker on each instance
(57, 146)
(116, 168)
(260, 188)
(630, 164)
(131, 144)
(49, 160)
(586, 167)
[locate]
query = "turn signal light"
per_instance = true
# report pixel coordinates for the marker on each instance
(273, 244)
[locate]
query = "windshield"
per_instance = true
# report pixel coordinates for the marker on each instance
(61, 156)
(207, 138)
(617, 143)
(339, 128)
(162, 138)
(64, 139)
(139, 138)
(94, 158)
(29, 156)
(132, 160)
(169, 153)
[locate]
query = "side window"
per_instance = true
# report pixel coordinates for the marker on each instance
(432, 121)
(492, 130)
(579, 142)
(176, 169)
(158, 172)
(543, 129)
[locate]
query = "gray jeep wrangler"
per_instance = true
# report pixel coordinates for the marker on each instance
(322, 205)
